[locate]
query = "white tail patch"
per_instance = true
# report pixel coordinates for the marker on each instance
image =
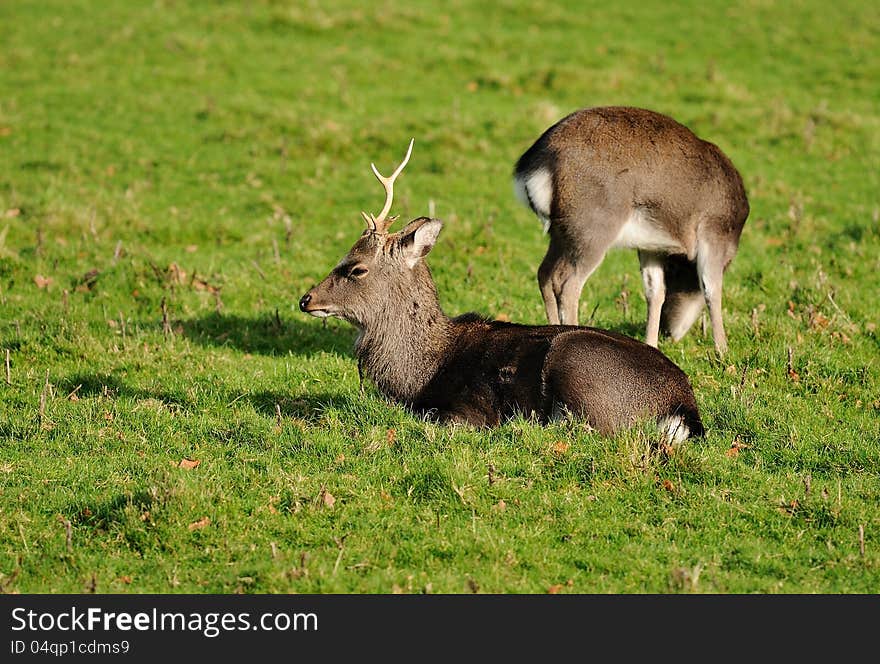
(674, 430)
(535, 191)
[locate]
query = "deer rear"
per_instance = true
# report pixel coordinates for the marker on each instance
(481, 372)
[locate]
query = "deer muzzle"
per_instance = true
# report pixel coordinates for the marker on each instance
(308, 305)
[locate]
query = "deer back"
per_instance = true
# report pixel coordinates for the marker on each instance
(633, 156)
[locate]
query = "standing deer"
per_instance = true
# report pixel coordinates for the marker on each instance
(627, 177)
(473, 370)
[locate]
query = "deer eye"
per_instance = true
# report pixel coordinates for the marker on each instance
(357, 272)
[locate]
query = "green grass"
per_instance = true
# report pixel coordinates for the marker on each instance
(215, 156)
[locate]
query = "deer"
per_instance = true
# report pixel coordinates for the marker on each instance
(623, 177)
(475, 371)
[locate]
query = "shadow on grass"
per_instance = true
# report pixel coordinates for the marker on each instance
(103, 513)
(107, 385)
(311, 408)
(269, 334)
(629, 328)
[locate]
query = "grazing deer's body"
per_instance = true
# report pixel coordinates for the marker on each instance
(477, 371)
(630, 178)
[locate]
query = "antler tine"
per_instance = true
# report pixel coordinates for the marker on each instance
(371, 224)
(388, 183)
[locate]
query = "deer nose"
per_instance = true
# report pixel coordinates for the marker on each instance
(304, 301)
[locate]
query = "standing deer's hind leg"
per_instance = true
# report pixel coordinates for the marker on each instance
(577, 247)
(655, 292)
(569, 294)
(562, 277)
(550, 266)
(592, 231)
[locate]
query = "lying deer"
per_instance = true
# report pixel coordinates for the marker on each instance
(477, 371)
(628, 177)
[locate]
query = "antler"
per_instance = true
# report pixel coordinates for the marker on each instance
(379, 224)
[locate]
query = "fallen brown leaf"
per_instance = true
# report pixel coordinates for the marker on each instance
(327, 498)
(669, 486)
(201, 523)
(819, 321)
(188, 464)
(175, 274)
(200, 284)
(555, 588)
(391, 436)
(42, 282)
(125, 578)
(560, 447)
(12, 212)
(735, 447)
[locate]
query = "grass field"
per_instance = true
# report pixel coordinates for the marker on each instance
(210, 160)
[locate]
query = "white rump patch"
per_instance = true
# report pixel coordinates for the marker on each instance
(535, 191)
(673, 430)
(640, 232)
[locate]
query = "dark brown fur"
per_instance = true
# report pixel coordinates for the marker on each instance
(482, 372)
(494, 370)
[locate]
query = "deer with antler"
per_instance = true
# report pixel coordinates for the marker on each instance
(473, 370)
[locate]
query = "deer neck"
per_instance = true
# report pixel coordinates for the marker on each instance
(403, 346)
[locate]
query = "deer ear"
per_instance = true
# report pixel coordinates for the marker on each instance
(417, 239)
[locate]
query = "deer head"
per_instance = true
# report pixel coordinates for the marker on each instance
(383, 271)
